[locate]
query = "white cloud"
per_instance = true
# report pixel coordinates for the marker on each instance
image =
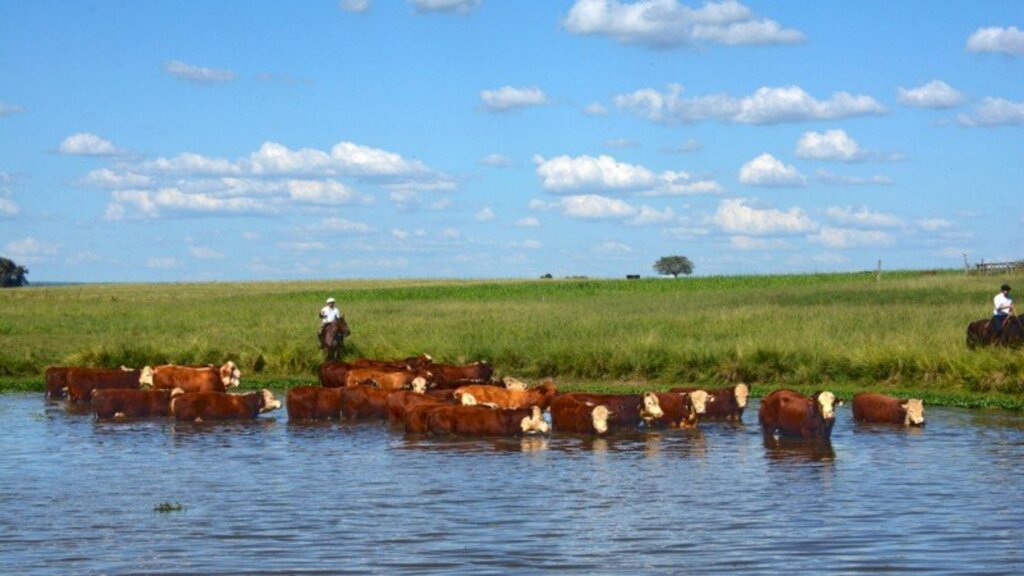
(450, 233)
(322, 192)
(313, 246)
(355, 6)
(528, 222)
(1008, 40)
(651, 216)
(767, 105)
(107, 178)
(934, 224)
(485, 215)
(850, 238)
(595, 109)
(29, 250)
(935, 94)
(613, 247)
(605, 173)
(748, 243)
(162, 262)
(86, 144)
(862, 217)
(205, 253)
(155, 203)
(343, 225)
(198, 74)
(621, 143)
(667, 23)
(826, 177)
(495, 161)
(734, 216)
(594, 207)
(539, 205)
(994, 112)
(766, 170)
(7, 206)
(10, 109)
(528, 244)
(399, 233)
(829, 145)
(445, 6)
(511, 98)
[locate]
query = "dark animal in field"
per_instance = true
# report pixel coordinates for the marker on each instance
(723, 403)
(332, 338)
(462, 420)
(313, 403)
(56, 381)
(454, 376)
(569, 414)
(205, 406)
(82, 381)
(192, 378)
(508, 399)
(629, 410)
(114, 403)
(983, 332)
(869, 407)
(679, 409)
(793, 414)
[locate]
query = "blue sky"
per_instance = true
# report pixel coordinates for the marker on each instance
(196, 140)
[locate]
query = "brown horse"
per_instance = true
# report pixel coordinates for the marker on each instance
(983, 332)
(333, 337)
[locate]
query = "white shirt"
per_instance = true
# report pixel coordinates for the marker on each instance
(329, 314)
(1002, 304)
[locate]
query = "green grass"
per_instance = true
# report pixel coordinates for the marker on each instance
(846, 332)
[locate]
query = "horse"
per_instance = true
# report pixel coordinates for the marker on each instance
(333, 337)
(983, 332)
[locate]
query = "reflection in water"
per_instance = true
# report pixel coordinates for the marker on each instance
(77, 496)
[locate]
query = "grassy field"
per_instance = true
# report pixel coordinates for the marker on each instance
(847, 332)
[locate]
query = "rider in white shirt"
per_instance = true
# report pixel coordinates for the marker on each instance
(328, 314)
(1003, 307)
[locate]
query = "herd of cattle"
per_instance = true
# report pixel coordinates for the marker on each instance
(426, 397)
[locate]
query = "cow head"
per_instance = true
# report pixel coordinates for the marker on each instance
(513, 383)
(419, 384)
(599, 417)
(742, 392)
(915, 412)
(827, 404)
(700, 399)
(269, 403)
(651, 408)
(146, 376)
(230, 375)
(534, 422)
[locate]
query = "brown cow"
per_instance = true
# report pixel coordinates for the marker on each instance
(569, 414)
(793, 414)
(421, 362)
(460, 420)
(192, 378)
(454, 376)
(628, 410)
(723, 403)
(334, 373)
(384, 379)
(398, 400)
(868, 407)
(679, 409)
(56, 381)
(82, 381)
(114, 403)
(364, 403)
(202, 406)
(416, 414)
(506, 398)
(314, 403)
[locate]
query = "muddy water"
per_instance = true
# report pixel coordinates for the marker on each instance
(77, 496)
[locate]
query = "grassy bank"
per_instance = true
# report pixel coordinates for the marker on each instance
(844, 331)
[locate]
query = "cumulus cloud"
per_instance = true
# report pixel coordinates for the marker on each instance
(495, 161)
(935, 94)
(826, 177)
(594, 207)
(829, 145)
(670, 24)
(735, 216)
(86, 144)
(529, 244)
(310, 246)
(767, 105)
(595, 109)
(205, 253)
(445, 6)
(648, 216)
(107, 178)
(1009, 40)
(766, 170)
(152, 203)
(994, 112)
(850, 237)
(162, 262)
(486, 214)
(528, 222)
(604, 173)
(749, 243)
(198, 74)
(509, 98)
(10, 109)
(612, 247)
(355, 6)
(343, 226)
(934, 224)
(862, 217)
(322, 192)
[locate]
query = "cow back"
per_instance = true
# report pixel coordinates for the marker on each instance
(82, 381)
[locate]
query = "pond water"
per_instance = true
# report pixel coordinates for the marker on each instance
(78, 496)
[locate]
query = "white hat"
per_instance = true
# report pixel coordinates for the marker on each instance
(330, 300)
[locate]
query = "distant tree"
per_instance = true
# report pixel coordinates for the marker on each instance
(12, 275)
(674, 265)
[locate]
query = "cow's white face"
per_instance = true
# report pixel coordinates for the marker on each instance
(513, 383)
(915, 412)
(230, 375)
(651, 408)
(269, 403)
(146, 377)
(535, 422)
(827, 405)
(699, 399)
(467, 399)
(419, 385)
(742, 392)
(599, 416)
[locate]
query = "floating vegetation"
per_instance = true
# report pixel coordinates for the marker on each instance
(164, 507)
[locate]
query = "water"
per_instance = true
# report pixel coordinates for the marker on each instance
(77, 496)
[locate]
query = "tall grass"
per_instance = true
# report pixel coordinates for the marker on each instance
(904, 332)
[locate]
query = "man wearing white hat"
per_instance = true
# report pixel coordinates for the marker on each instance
(328, 314)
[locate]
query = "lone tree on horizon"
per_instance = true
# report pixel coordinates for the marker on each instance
(12, 275)
(674, 265)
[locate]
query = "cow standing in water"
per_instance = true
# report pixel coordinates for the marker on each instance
(879, 408)
(795, 415)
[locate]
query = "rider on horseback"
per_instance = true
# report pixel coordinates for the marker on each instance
(1003, 308)
(328, 314)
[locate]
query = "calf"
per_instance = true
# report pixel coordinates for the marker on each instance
(314, 403)
(192, 378)
(507, 398)
(723, 403)
(571, 415)
(454, 376)
(114, 403)
(868, 407)
(793, 414)
(202, 406)
(629, 410)
(56, 381)
(459, 420)
(82, 381)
